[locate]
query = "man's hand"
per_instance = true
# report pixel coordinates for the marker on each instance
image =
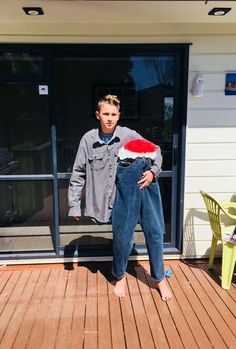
(77, 218)
(146, 179)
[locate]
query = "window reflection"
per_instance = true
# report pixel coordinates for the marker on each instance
(26, 216)
(151, 71)
(142, 82)
(24, 130)
(16, 63)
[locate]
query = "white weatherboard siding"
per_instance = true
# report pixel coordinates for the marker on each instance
(211, 141)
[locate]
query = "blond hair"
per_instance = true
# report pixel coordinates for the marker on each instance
(109, 99)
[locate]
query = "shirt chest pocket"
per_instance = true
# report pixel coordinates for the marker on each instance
(97, 161)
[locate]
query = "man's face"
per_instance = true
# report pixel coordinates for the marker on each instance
(108, 117)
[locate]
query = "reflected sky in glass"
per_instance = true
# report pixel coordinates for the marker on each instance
(151, 71)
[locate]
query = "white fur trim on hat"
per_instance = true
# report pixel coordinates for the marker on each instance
(138, 148)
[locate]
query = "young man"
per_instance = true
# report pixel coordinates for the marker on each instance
(95, 169)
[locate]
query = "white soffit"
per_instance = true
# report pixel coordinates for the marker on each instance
(90, 11)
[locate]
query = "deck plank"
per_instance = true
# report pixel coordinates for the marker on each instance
(3, 279)
(91, 323)
(41, 332)
(157, 330)
(54, 314)
(117, 330)
(104, 328)
(20, 309)
(181, 323)
(144, 331)
(51, 306)
(130, 329)
(223, 295)
(188, 312)
(223, 317)
(214, 317)
(167, 321)
(28, 320)
(13, 301)
(201, 313)
(64, 331)
(78, 318)
(8, 282)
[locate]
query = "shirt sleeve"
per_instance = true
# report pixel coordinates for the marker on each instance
(77, 181)
(156, 167)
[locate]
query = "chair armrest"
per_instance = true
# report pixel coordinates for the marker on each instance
(227, 205)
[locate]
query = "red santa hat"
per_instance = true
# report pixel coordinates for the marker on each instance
(138, 148)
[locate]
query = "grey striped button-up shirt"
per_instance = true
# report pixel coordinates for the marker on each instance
(95, 169)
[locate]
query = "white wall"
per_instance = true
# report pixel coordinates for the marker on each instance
(211, 139)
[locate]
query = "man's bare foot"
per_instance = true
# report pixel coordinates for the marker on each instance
(119, 289)
(166, 295)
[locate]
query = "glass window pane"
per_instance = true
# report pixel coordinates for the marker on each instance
(26, 216)
(165, 187)
(17, 63)
(25, 146)
(145, 85)
(85, 236)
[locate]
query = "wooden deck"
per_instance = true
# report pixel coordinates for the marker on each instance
(73, 306)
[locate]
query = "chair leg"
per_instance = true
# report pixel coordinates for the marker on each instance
(212, 252)
(228, 263)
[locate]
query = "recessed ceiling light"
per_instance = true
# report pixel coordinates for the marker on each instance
(219, 11)
(33, 11)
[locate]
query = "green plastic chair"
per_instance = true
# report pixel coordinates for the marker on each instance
(218, 212)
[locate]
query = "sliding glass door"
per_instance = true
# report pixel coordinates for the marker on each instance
(48, 95)
(147, 81)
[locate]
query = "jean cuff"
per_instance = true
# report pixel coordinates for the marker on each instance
(118, 277)
(159, 279)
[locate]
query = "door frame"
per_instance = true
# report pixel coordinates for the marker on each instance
(181, 52)
(181, 82)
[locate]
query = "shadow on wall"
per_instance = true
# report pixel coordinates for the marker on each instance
(189, 244)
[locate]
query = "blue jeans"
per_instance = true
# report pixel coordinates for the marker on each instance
(133, 205)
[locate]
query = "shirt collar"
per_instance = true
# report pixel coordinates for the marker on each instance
(115, 138)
